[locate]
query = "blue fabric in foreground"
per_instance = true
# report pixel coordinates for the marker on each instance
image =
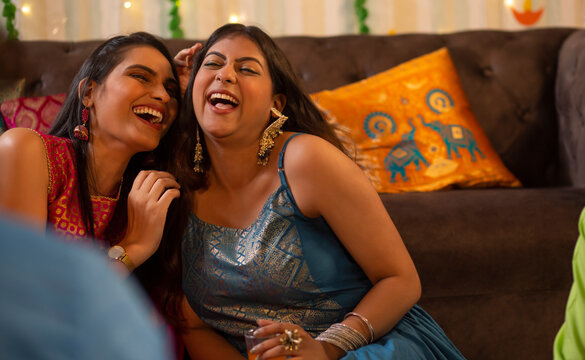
(62, 300)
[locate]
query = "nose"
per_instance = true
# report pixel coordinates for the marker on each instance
(226, 74)
(159, 92)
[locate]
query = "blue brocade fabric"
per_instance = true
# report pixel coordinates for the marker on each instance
(290, 268)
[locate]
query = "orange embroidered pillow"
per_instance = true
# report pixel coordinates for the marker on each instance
(36, 113)
(415, 130)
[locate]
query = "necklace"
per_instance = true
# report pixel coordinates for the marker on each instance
(109, 197)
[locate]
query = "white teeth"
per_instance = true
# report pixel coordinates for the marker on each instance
(223, 96)
(158, 116)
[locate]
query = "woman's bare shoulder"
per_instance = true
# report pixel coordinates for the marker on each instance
(20, 139)
(22, 149)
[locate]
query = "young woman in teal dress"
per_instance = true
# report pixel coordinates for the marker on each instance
(287, 234)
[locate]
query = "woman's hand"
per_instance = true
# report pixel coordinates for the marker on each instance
(184, 63)
(308, 348)
(148, 203)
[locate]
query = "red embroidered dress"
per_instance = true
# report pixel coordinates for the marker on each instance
(64, 214)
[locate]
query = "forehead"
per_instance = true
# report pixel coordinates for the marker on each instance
(146, 56)
(237, 46)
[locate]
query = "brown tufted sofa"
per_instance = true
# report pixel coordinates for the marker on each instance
(495, 264)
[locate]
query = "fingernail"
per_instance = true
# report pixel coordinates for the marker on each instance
(254, 349)
(257, 332)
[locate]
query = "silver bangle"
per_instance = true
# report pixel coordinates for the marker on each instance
(343, 336)
(366, 321)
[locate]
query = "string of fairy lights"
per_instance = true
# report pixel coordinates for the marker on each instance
(9, 12)
(526, 15)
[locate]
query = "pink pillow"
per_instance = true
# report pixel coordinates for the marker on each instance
(36, 113)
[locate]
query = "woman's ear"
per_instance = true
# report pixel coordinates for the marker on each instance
(279, 102)
(87, 96)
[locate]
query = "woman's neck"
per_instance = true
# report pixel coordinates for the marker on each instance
(105, 169)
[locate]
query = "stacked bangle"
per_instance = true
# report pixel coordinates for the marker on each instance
(366, 321)
(344, 337)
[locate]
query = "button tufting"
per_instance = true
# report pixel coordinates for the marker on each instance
(488, 71)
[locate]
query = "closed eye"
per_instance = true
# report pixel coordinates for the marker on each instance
(252, 71)
(139, 76)
(211, 64)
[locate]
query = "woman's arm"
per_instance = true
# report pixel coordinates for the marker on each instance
(327, 183)
(24, 176)
(202, 342)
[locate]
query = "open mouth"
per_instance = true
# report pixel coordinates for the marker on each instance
(223, 101)
(149, 114)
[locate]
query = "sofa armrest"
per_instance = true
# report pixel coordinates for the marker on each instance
(570, 103)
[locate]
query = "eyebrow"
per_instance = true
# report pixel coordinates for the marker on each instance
(242, 59)
(145, 68)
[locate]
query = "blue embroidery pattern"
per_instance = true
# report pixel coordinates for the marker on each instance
(439, 101)
(378, 124)
(403, 154)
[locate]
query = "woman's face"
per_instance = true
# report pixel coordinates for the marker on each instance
(232, 91)
(137, 102)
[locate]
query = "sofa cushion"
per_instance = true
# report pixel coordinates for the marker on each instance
(9, 89)
(570, 92)
(36, 113)
(415, 129)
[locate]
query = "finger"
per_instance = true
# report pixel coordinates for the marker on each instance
(273, 351)
(267, 347)
(160, 185)
(264, 322)
(168, 196)
(271, 328)
(139, 180)
(152, 177)
(182, 55)
(196, 48)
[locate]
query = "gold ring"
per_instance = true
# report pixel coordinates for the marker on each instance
(291, 340)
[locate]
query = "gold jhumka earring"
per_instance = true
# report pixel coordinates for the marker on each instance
(268, 136)
(198, 159)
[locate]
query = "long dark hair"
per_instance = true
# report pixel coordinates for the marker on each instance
(96, 68)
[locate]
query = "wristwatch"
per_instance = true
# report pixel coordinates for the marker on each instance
(118, 253)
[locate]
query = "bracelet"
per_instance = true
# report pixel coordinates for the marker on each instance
(343, 336)
(366, 321)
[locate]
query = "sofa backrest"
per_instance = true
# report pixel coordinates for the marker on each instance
(509, 78)
(570, 96)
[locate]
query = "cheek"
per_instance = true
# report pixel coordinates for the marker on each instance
(199, 86)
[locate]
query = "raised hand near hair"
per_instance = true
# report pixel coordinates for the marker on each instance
(308, 348)
(184, 63)
(148, 203)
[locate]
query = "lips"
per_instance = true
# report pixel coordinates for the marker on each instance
(149, 114)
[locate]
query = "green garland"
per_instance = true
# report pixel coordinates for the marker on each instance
(9, 12)
(174, 25)
(361, 13)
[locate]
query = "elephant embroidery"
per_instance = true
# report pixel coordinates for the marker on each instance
(455, 137)
(403, 154)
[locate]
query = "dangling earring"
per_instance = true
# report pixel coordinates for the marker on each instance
(198, 159)
(81, 131)
(268, 136)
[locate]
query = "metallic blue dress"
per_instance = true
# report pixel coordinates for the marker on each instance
(291, 268)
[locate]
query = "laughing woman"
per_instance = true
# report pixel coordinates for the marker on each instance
(288, 234)
(84, 181)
